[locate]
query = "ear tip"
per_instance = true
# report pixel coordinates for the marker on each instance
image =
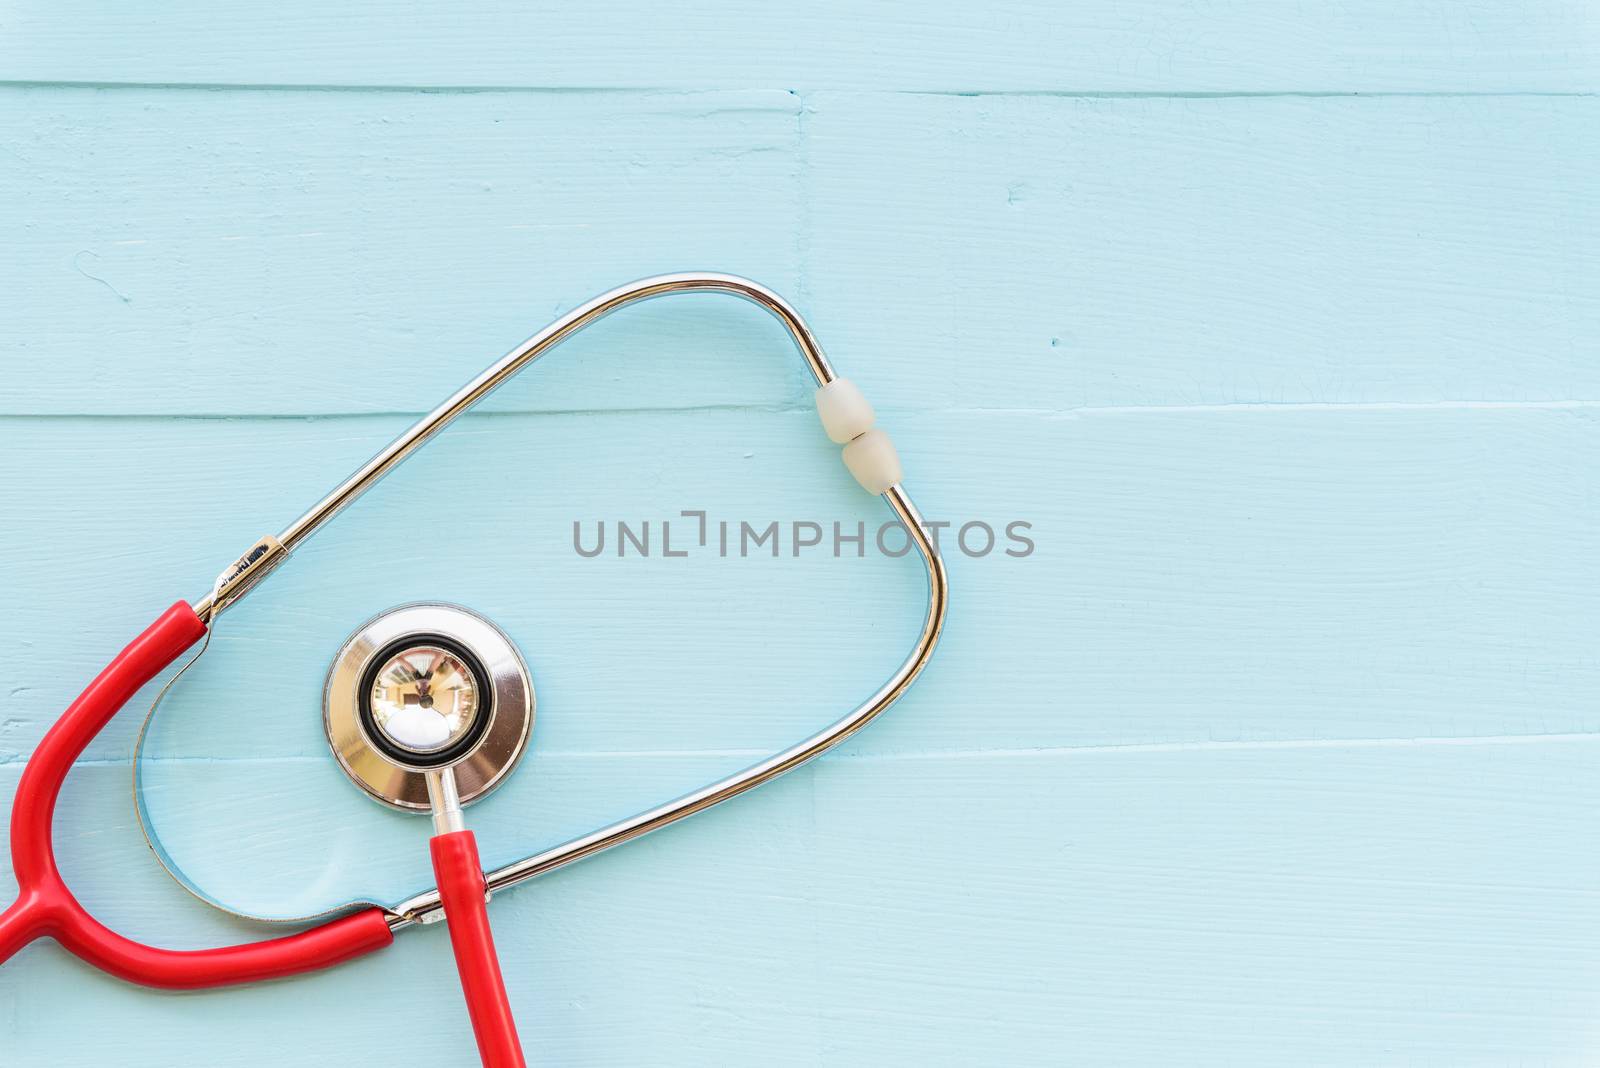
(845, 412)
(873, 460)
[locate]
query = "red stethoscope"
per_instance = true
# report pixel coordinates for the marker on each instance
(427, 708)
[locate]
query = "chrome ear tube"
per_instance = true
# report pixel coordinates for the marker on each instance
(848, 420)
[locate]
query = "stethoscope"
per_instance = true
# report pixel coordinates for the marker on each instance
(427, 707)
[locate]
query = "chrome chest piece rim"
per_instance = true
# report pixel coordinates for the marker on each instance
(426, 686)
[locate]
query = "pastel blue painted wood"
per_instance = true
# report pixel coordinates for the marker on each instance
(429, 232)
(1174, 251)
(1429, 557)
(1328, 903)
(1020, 45)
(1149, 251)
(1273, 322)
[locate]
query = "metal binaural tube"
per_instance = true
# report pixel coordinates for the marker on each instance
(587, 314)
(269, 551)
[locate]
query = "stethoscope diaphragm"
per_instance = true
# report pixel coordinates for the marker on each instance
(422, 687)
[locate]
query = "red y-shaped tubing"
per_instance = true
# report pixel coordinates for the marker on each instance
(46, 908)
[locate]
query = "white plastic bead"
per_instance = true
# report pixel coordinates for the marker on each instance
(845, 413)
(872, 459)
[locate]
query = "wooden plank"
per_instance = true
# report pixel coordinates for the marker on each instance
(1036, 45)
(1039, 252)
(1332, 903)
(1017, 252)
(1272, 573)
(196, 252)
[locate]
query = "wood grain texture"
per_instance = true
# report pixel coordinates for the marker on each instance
(260, 245)
(1275, 321)
(1333, 904)
(1148, 252)
(1028, 45)
(1179, 251)
(1293, 574)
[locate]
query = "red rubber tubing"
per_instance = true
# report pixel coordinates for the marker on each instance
(45, 908)
(461, 891)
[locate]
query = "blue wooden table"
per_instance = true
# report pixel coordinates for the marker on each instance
(1274, 322)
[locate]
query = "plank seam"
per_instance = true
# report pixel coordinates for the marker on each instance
(1130, 748)
(1576, 404)
(664, 90)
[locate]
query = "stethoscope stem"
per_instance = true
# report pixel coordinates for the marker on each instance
(445, 800)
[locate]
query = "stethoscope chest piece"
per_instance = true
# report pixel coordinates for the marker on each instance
(423, 687)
